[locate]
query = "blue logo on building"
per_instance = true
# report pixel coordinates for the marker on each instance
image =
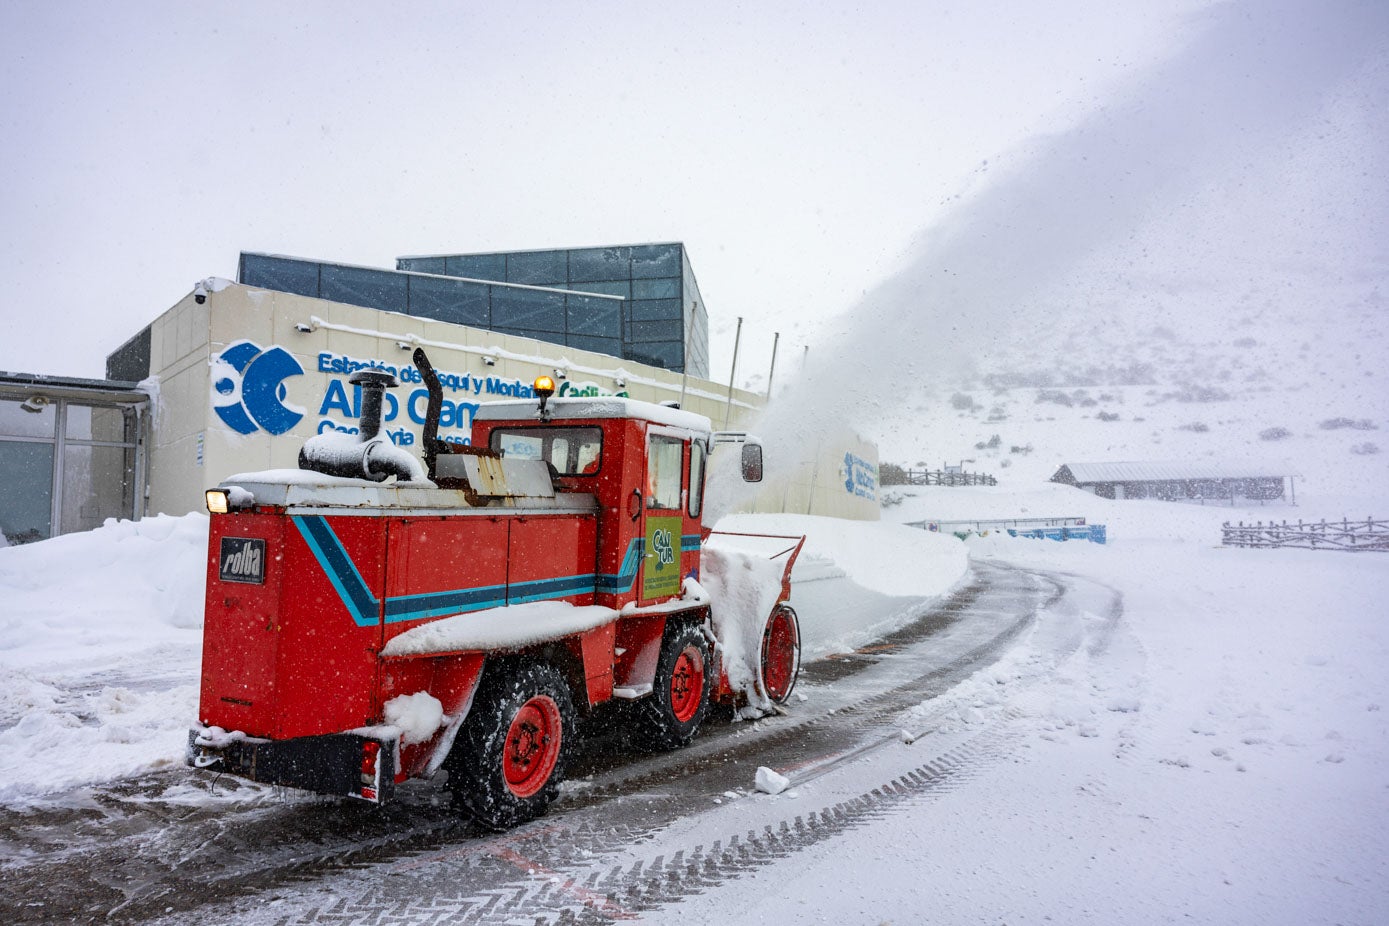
(248, 388)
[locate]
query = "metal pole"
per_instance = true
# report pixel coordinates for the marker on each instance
(776, 337)
(728, 409)
(685, 377)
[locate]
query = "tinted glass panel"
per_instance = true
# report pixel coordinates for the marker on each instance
(649, 309)
(527, 310)
(621, 288)
(26, 493)
(665, 355)
(100, 423)
(655, 260)
(656, 331)
(16, 421)
(610, 346)
(375, 289)
(421, 264)
(477, 266)
(280, 274)
(542, 268)
(599, 264)
(600, 317)
(656, 289)
(461, 302)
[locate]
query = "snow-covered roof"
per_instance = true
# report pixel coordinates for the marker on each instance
(1163, 471)
(600, 407)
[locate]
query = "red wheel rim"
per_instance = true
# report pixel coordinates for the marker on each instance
(687, 684)
(532, 746)
(780, 655)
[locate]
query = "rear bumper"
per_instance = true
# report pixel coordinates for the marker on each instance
(339, 763)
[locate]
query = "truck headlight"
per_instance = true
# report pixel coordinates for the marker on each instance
(218, 501)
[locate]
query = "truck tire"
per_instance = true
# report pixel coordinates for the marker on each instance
(679, 699)
(781, 654)
(509, 759)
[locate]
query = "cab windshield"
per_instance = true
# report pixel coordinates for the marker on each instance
(571, 451)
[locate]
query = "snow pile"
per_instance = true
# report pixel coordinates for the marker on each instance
(418, 716)
(509, 627)
(99, 661)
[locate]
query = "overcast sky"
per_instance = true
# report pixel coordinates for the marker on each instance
(795, 148)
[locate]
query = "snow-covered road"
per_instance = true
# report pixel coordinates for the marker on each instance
(1156, 729)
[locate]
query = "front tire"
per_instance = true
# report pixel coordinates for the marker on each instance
(510, 756)
(671, 715)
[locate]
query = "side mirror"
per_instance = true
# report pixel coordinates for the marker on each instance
(752, 462)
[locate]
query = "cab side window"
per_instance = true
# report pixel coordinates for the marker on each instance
(696, 478)
(665, 466)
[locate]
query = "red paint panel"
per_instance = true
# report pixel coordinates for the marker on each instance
(429, 556)
(327, 667)
(639, 638)
(545, 548)
(241, 631)
(597, 648)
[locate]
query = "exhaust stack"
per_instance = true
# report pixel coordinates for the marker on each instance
(367, 455)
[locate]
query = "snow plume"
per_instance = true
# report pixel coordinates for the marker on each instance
(1251, 83)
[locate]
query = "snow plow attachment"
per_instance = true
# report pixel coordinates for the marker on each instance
(779, 644)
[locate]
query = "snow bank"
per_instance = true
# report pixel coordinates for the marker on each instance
(888, 558)
(98, 597)
(100, 638)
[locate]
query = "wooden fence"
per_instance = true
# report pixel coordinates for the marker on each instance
(937, 477)
(1325, 535)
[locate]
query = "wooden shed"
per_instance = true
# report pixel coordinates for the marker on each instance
(1179, 481)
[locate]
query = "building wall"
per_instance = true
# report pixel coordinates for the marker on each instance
(215, 356)
(200, 355)
(842, 483)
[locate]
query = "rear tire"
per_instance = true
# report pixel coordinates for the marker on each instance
(670, 716)
(510, 756)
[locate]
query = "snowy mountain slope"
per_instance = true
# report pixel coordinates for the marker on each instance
(1183, 376)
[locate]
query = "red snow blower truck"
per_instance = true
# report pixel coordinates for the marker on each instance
(370, 619)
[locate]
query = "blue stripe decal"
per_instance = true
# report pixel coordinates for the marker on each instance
(627, 572)
(337, 565)
(689, 542)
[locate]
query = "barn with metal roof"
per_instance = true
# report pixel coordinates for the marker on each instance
(1179, 481)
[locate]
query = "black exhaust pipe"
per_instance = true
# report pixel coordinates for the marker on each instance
(430, 435)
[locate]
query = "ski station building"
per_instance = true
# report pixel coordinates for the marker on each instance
(235, 376)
